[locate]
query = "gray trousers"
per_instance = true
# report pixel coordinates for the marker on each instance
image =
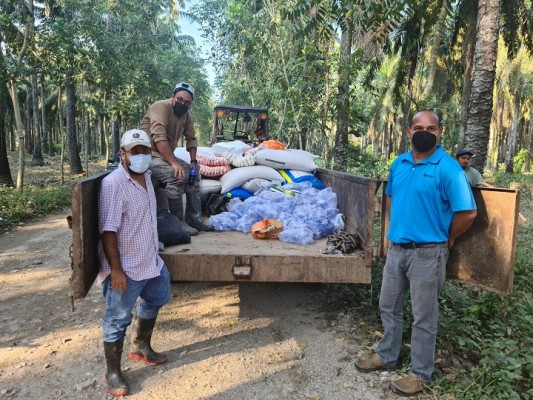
(174, 187)
(422, 271)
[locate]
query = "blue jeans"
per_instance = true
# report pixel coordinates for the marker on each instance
(422, 271)
(154, 292)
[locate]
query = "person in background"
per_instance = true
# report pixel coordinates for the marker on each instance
(431, 204)
(166, 121)
(130, 267)
(464, 158)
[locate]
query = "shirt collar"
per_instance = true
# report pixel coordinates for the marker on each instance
(434, 158)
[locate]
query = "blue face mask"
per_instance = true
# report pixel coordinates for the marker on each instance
(140, 163)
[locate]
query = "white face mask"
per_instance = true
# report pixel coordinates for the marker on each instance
(140, 163)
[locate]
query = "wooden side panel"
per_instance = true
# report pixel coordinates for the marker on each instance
(485, 255)
(356, 196)
(213, 256)
(84, 234)
(268, 268)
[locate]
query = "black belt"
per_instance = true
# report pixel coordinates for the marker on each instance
(413, 245)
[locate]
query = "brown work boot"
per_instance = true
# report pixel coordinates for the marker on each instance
(373, 363)
(408, 385)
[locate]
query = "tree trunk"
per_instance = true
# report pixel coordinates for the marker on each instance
(511, 146)
(408, 98)
(47, 138)
(27, 131)
(435, 49)
(343, 103)
(481, 96)
(37, 160)
(20, 130)
(469, 42)
(62, 135)
(529, 146)
(73, 153)
(5, 171)
(116, 136)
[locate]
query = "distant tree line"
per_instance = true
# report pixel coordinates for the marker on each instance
(75, 74)
(335, 73)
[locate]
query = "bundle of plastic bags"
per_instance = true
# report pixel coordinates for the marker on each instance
(307, 215)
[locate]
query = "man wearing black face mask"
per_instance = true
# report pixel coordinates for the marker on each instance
(431, 204)
(166, 121)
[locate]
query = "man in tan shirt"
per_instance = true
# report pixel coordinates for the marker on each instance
(166, 121)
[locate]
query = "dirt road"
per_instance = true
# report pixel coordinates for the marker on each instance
(224, 341)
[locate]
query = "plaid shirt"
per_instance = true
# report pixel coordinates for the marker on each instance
(126, 208)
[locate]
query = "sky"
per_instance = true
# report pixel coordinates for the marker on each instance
(192, 29)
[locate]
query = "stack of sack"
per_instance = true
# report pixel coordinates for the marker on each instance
(239, 172)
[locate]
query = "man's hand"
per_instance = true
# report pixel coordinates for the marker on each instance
(462, 220)
(179, 172)
(118, 279)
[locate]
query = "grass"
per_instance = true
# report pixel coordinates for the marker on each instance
(485, 340)
(42, 193)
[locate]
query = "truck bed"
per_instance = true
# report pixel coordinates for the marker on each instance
(234, 256)
(227, 256)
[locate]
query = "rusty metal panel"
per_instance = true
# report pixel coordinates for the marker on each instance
(84, 234)
(485, 255)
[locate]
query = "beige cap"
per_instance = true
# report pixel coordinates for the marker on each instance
(134, 137)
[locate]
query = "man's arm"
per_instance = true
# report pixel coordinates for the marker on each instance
(164, 148)
(484, 184)
(192, 152)
(110, 246)
(462, 220)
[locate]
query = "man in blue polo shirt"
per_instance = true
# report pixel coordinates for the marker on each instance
(431, 204)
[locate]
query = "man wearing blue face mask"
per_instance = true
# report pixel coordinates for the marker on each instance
(431, 204)
(166, 121)
(130, 266)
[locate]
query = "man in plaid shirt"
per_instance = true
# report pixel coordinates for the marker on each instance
(130, 266)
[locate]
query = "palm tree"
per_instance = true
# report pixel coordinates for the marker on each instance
(481, 97)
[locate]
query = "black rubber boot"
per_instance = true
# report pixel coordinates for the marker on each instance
(176, 206)
(116, 384)
(193, 212)
(140, 342)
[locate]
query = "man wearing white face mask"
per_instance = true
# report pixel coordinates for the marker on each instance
(130, 266)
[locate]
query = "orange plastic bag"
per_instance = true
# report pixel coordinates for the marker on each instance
(273, 145)
(267, 229)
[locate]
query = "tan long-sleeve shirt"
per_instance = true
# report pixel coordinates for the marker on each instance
(161, 123)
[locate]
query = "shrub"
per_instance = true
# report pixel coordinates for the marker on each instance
(34, 201)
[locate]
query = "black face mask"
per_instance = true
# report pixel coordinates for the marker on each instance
(423, 141)
(180, 109)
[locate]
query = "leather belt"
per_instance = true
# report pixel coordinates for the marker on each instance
(413, 245)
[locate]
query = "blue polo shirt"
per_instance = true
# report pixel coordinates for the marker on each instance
(425, 196)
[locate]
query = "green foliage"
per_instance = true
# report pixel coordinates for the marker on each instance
(519, 164)
(364, 164)
(492, 333)
(523, 182)
(34, 201)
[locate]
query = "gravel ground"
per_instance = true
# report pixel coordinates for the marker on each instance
(224, 341)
